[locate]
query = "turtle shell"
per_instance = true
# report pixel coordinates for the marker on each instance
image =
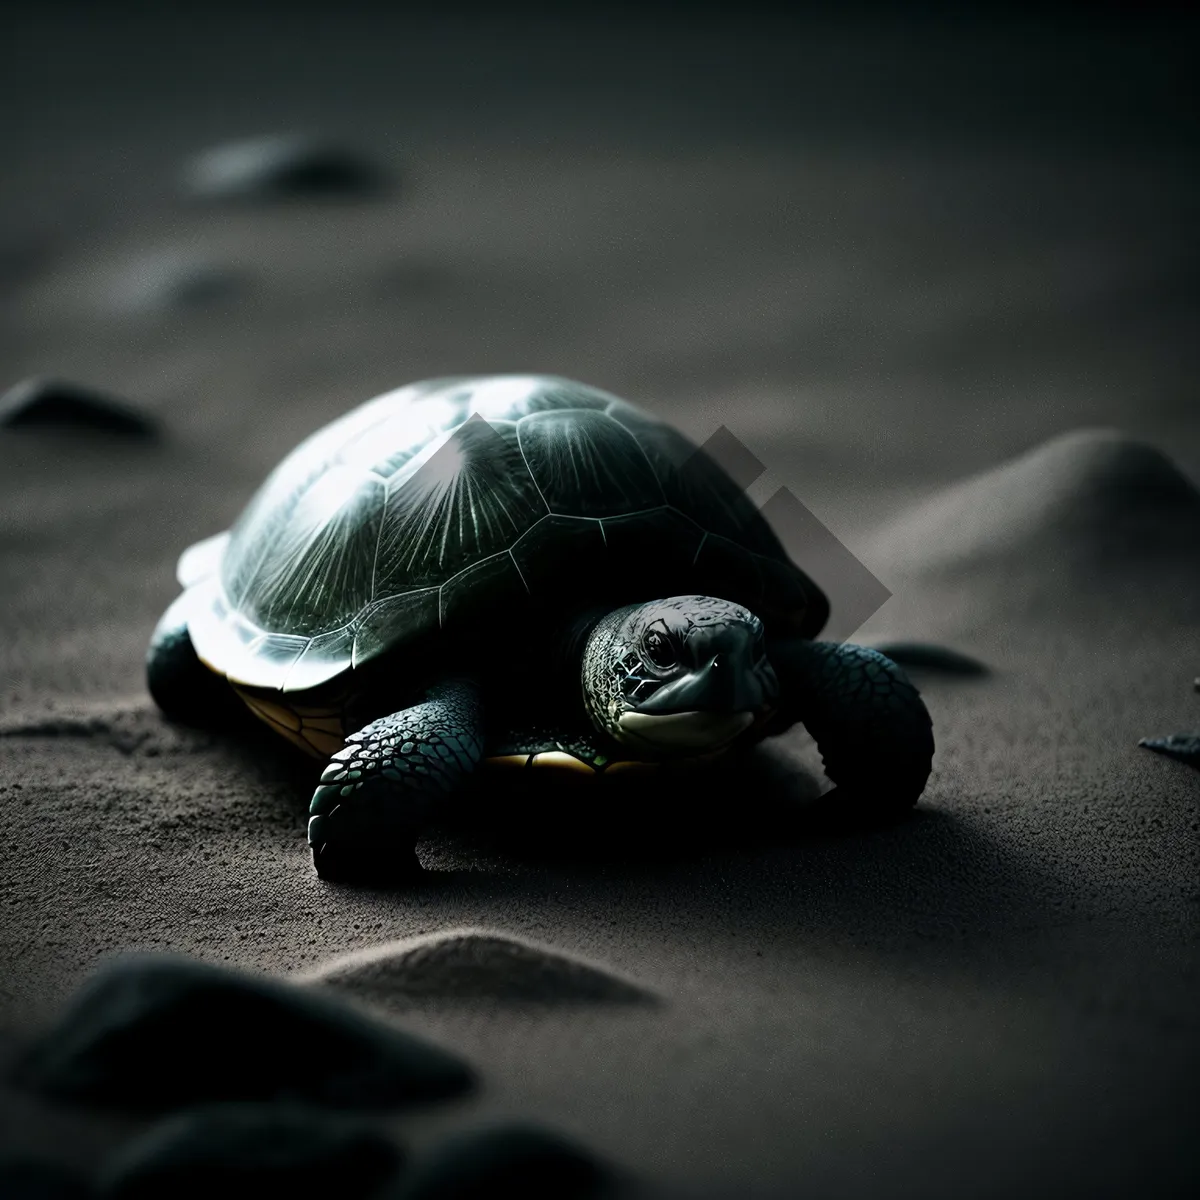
(442, 506)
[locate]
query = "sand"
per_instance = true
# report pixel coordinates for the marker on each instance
(960, 332)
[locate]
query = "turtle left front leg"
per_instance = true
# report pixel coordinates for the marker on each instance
(380, 790)
(869, 722)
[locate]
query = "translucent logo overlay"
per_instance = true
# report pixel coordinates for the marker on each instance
(854, 593)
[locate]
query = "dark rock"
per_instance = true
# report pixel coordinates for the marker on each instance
(152, 1032)
(1184, 747)
(473, 965)
(55, 402)
(924, 656)
(281, 166)
(253, 1150)
(509, 1160)
(28, 1179)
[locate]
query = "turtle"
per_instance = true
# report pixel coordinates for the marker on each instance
(517, 573)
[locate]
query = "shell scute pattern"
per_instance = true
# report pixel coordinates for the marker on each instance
(469, 501)
(587, 465)
(450, 498)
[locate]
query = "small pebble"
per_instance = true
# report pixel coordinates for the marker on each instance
(1184, 747)
(49, 403)
(280, 166)
(167, 281)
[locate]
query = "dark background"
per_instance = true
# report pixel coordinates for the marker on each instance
(888, 247)
(980, 224)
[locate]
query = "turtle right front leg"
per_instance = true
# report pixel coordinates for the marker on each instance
(378, 792)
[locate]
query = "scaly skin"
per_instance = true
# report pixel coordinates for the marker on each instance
(379, 791)
(715, 661)
(376, 794)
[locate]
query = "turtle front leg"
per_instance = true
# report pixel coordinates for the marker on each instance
(869, 722)
(378, 791)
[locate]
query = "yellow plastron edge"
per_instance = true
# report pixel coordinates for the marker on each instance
(317, 731)
(568, 766)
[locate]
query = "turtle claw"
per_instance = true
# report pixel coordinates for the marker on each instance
(348, 844)
(325, 799)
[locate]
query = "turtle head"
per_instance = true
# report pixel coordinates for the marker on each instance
(678, 677)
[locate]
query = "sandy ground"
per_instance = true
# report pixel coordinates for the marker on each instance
(900, 262)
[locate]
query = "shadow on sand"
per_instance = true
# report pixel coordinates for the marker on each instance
(753, 849)
(749, 845)
(663, 817)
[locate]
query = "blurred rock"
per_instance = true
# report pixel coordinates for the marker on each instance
(509, 1160)
(169, 280)
(281, 166)
(27, 1179)
(56, 402)
(253, 1150)
(159, 1031)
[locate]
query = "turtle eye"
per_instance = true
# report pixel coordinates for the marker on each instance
(659, 649)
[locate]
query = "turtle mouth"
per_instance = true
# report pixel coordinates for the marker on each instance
(683, 731)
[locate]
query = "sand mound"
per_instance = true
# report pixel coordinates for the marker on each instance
(1092, 495)
(1091, 523)
(474, 965)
